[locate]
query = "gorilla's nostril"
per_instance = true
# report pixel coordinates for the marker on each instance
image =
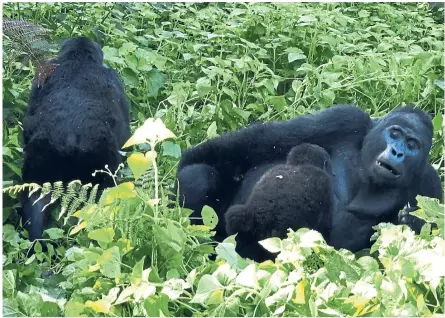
(393, 151)
(399, 155)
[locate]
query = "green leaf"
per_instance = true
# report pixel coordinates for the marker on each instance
(437, 123)
(278, 102)
(157, 306)
(363, 14)
(228, 308)
(54, 233)
(9, 285)
(171, 149)
(327, 99)
(38, 247)
(173, 273)
(206, 287)
(259, 108)
(31, 304)
(103, 236)
(209, 217)
(227, 252)
(50, 309)
(136, 274)
(10, 235)
(369, 264)
(431, 210)
(31, 259)
(11, 308)
(307, 20)
(439, 84)
(130, 77)
(109, 262)
(74, 309)
(408, 269)
(170, 242)
(204, 86)
(156, 80)
(13, 167)
(111, 54)
(211, 131)
(126, 48)
(295, 54)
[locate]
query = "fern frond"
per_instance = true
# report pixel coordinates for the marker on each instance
(93, 195)
(32, 187)
(74, 195)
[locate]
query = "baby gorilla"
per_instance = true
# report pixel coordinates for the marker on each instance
(286, 196)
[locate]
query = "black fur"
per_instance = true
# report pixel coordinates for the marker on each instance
(365, 193)
(286, 196)
(75, 124)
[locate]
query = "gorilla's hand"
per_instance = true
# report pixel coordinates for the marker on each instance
(412, 221)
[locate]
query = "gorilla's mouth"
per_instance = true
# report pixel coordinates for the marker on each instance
(388, 167)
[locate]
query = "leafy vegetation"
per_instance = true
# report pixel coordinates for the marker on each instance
(197, 71)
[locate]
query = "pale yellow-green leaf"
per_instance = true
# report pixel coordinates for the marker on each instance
(272, 244)
(94, 268)
(311, 239)
(100, 306)
(174, 288)
(136, 292)
(216, 297)
(364, 289)
(104, 235)
(201, 228)
(78, 227)
(282, 296)
(359, 302)
(139, 163)
(248, 277)
(299, 293)
(152, 131)
(122, 191)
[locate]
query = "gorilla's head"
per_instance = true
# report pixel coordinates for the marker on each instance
(396, 148)
(81, 49)
(310, 154)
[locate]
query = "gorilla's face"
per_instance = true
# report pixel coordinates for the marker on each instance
(396, 149)
(81, 48)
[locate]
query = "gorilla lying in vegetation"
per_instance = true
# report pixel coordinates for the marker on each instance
(76, 123)
(286, 196)
(378, 166)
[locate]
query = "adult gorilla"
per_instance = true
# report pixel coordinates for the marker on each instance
(76, 123)
(378, 167)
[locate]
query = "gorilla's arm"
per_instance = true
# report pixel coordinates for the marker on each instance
(234, 153)
(429, 186)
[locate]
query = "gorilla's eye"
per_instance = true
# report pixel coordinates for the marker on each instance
(394, 133)
(412, 144)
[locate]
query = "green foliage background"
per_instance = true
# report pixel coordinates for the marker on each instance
(206, 69)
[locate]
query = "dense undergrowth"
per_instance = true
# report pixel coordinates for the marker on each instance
(205, 69)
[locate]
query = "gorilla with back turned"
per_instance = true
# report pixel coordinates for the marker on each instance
(76, 123)
(379, 166)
